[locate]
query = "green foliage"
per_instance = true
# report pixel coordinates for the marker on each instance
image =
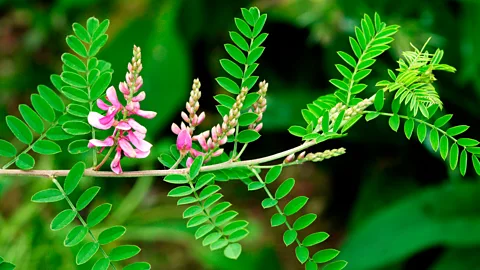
(78, 233)
(6, 265)
(291, 235)
(216, 224)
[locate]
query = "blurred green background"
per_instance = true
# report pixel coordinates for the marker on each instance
(389, 203)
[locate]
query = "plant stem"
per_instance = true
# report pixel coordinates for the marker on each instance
(215, 167)
(105, 158)
(177, 163)
(80, 218)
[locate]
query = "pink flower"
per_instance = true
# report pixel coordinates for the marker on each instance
(184, 141)
(189, 162)
(115, 165)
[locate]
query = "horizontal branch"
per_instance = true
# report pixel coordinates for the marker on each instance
(215, 167)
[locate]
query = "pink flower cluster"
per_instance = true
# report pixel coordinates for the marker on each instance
(128, 135)
(219, 133)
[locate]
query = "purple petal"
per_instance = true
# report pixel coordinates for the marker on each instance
(99, 143)
(102, 105)
(135, 125)
(115, 165)
(94, 121)
(140, 144)
(112, 97)
(142, 154)
(122, 125)
(146, 114)
(127, 148)
(109, 118)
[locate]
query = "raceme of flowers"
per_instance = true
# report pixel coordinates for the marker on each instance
(128, 137)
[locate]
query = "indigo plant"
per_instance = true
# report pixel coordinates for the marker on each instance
(83, 104)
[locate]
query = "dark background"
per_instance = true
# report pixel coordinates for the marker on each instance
(389, 203)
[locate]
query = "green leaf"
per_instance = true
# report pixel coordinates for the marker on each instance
(358, 88)
(440, 122)
(277, 220)
(180, 191)
(273, 174)
(46, 147)
(346, 73)
(247, 16)
(339, 84)
(138, 266)
(211, 238)
(123, 252)
(78, 147)
(325, 122)
(289, 237)
(86, 198)
(81, 32)
(63, 219)
(250, 82)
(269, 203)
(254, 55)
(325, 255)
(454, 156)
(76, 128)
(73, 62)
(259, 25)
(57, 134)
(102, 28)
(186, 200)
(203, 230)
(434, 139)
(31, 118)
(19, 129)
(371, 116)
(421, 132)
(297, 131)
(238, 235)
(47, 196)
(225, 217)
(111, 234)
(100, 85)
(98, 214)
(231, 68)
(228, 85)
(101, 264)
(239, 40)
(75, 94)
(466, 142)
(97, 45)
(338, 265)
(444, 147)
(42, 107)
(233, 251)
(285, 188)
(394, 122)
(457, 130)
(348, 59)
(304, 221)
(463, 162)
(476, 164)
(25, 161)
(92, 25)
(302, 254)
(338, 122)
(73, 178)
(208, 191)
(243, 27)
(355, 47)
(311, 265)
(192, 211)
(315, 238)
(408, 128)
(255, 13)
(86, 252)
(7, 266)
(379, 100)
(196, 166)
(196, 221)
(7, 149)
(248, 136)
(255, 186)
(351, 122)
(78, 110)
(176, 179)
(75, 236)
(76, 45)
(259, 41)
(74, 79)
(234, 227)
(247, 119)
(219, 244)
(236, 54)
(360, 75)
(295, 205)
(166, 160)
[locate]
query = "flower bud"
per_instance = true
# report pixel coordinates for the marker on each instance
(184, 142)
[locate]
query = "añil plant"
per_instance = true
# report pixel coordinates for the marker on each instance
(83, 101)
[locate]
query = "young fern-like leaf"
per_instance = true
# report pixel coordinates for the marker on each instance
(291, 234)
(78, 233)
(216, 224)
(370, 42)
